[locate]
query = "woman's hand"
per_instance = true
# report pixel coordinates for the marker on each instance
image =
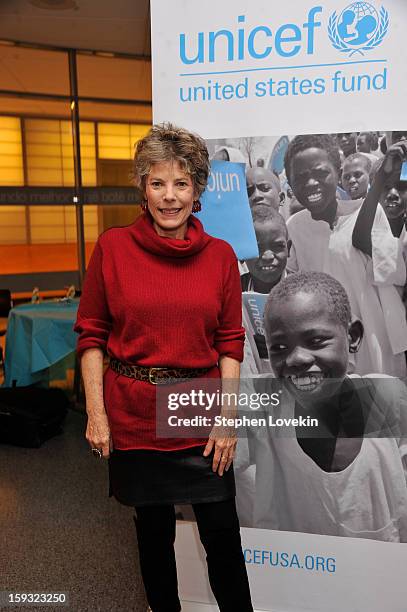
(98, 433)
(224, 443)
(97, 429)
(223, 438)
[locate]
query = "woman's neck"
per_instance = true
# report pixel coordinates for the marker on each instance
(177, 233)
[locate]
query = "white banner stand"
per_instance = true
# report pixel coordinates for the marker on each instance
(366, 576)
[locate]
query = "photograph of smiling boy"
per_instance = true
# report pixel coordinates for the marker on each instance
(323, 240)
(264, 272)
(332, 480)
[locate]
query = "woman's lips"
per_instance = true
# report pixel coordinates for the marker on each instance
(169, 212)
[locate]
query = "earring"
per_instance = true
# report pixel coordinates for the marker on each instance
(196, 206)
(144, 205)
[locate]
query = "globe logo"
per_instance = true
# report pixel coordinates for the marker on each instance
(359, 28)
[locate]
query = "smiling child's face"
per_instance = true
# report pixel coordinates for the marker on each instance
(355, 178)
(394, 196)
(308, 346)
(314, 180)
(272, 241)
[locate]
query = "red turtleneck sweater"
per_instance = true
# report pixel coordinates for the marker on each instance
(156, 301)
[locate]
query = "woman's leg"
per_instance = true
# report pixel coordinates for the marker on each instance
(155, 526)
(219, 531)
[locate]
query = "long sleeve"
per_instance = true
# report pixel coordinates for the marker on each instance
(229, 337)
(93, 323)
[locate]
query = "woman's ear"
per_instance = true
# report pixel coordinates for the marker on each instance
(355, 334)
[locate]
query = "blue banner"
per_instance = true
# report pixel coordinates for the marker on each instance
(225, 208)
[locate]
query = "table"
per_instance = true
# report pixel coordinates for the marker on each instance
(38, 336)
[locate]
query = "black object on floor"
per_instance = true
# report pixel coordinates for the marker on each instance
(31, 415)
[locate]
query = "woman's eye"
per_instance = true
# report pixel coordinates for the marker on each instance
(155, 184)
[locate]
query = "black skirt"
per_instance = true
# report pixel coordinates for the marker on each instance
(151, 478)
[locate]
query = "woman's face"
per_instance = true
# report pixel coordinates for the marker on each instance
(170, 196)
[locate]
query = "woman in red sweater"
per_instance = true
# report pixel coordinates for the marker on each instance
(163, 298)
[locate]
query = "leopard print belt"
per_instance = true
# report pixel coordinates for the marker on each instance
(155, 376)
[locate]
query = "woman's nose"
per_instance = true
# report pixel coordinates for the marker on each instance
(169, 193)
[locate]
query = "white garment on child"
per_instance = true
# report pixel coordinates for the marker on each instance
(368, 499)
(370, 282)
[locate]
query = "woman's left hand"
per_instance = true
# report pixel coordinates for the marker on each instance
(225, 447)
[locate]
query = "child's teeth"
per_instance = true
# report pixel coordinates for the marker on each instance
(307, 383)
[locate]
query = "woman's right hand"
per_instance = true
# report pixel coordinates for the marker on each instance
(98, 433)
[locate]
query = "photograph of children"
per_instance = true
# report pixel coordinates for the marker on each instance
(344, 207)
(345, 476)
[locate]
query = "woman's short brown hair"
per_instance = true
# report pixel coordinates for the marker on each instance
(167, 142)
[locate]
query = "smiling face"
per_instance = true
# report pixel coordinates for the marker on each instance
(263, 190)
(394, 197)
(314, 180)
(272, 241)
(170, 194)
(355, 178)
(308, 346)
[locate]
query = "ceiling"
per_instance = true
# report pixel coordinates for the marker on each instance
(112, 26)
(121, 26)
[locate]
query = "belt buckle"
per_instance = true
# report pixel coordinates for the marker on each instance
(150, 373)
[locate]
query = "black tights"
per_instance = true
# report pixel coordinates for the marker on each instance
(218, 527)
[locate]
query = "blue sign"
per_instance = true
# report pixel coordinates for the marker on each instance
(225, 208)
(276, 163)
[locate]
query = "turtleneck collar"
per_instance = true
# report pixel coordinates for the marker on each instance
(145, 235)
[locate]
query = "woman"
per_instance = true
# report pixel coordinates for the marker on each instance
(162, 295)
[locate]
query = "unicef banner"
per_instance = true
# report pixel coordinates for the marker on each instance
(311, 99)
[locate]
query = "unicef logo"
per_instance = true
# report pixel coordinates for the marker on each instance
(358, 28)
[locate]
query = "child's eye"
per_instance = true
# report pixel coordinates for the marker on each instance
(277, 348)
(317, 341)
